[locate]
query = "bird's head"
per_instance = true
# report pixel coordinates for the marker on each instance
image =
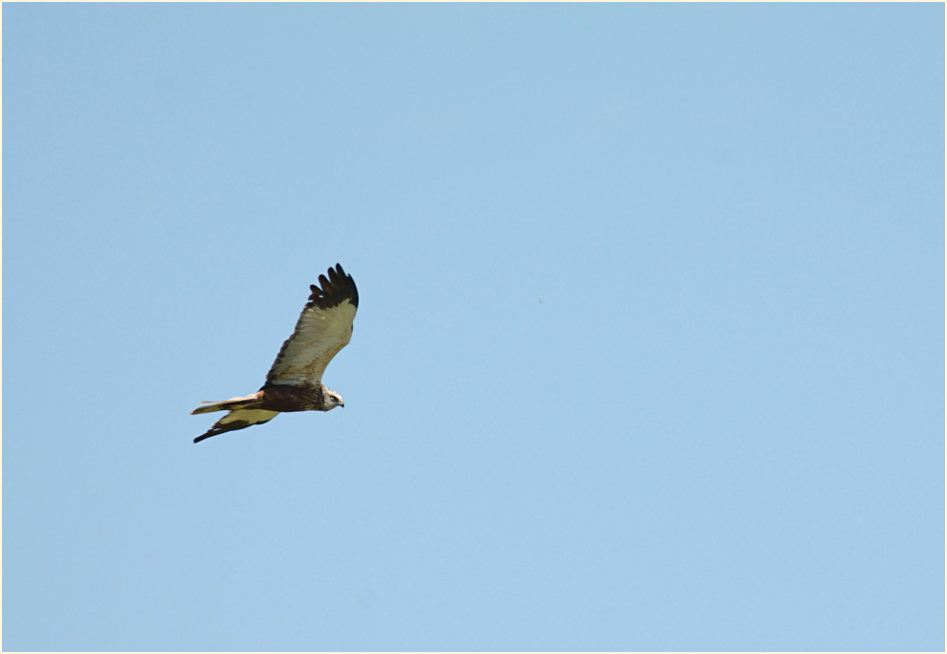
(331, 399)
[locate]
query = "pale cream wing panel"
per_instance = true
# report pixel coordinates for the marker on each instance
(319, 335)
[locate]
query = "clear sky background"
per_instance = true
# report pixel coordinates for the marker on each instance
(650, 351)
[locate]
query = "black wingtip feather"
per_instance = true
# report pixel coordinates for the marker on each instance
(336, 288)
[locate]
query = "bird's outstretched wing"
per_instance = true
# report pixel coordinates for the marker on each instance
(238, 419)
(324, 327)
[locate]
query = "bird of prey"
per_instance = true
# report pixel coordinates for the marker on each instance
(294, 382)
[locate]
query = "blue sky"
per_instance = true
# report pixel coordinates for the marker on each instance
(650, 351)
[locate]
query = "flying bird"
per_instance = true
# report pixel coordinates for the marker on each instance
(294, 382)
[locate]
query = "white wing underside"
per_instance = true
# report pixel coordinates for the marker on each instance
(248, 416)
(319, 335)
(238, 419)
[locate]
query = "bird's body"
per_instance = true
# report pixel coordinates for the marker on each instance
(294, 382)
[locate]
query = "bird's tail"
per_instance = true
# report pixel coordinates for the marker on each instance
(247, 402)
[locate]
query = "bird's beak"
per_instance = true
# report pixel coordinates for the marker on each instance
(342, 404)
